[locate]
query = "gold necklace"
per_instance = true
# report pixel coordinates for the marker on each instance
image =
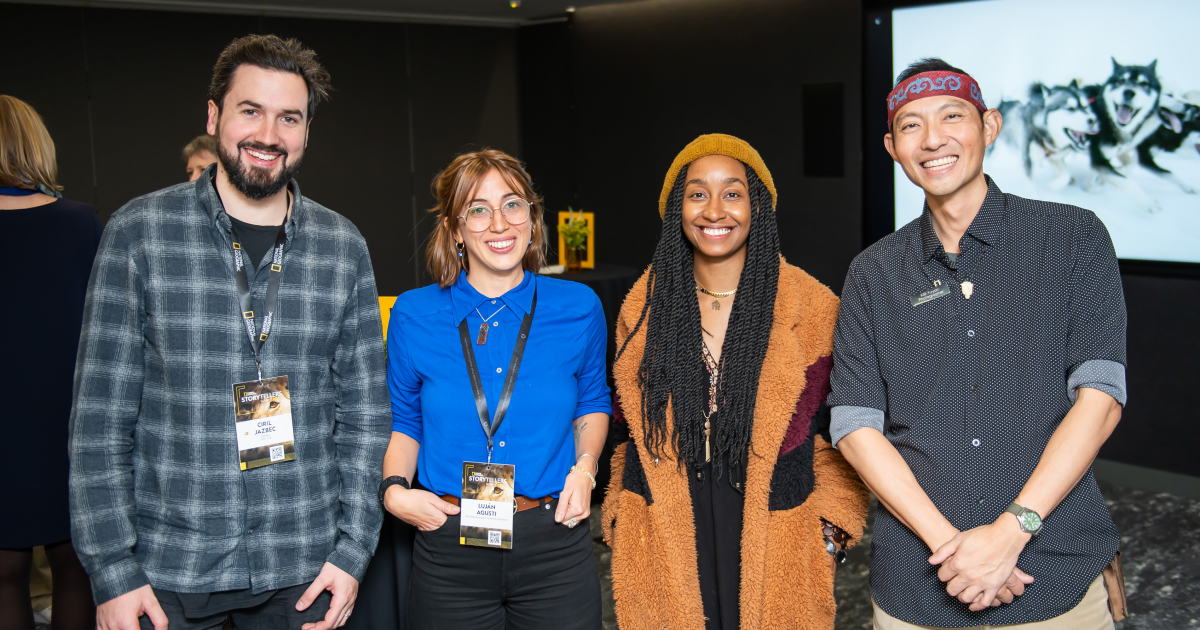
(716, 305)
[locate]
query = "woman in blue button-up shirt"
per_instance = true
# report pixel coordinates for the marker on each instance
(484, 252)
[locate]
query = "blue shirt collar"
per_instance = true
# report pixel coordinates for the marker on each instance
(466, 299)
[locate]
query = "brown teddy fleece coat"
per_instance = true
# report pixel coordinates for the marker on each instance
(794, 478)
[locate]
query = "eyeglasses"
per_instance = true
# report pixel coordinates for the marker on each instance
(479, 216)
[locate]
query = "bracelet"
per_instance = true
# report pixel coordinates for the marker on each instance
(593, 459)
(585, 471)
(835, 540)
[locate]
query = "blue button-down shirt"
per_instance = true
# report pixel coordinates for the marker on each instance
(562, 377)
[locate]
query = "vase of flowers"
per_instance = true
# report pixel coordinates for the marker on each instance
(574, 234)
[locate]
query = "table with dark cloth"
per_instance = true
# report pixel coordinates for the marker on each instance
(381, 596)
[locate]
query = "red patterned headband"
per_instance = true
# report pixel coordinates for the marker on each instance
(934, 83)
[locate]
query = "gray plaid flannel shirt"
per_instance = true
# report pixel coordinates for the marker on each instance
(156, 492)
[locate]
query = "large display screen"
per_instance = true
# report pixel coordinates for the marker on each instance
(1101, 106)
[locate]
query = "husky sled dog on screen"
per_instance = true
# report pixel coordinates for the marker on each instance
(1056, 123)
(1132, 111)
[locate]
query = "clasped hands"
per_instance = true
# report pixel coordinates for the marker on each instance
(979, 566)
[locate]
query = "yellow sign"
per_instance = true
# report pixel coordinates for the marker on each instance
(385, 311)
(588, 257)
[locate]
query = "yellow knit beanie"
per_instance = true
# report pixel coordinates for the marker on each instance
(716, 144)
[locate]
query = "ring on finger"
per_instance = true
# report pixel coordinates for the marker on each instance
(572, 523)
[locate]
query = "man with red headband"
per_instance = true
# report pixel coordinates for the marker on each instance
(979, 365)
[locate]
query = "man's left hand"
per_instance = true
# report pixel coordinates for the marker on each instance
(345, 591)
(977, 563)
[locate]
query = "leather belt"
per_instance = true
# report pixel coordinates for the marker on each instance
(523, 503)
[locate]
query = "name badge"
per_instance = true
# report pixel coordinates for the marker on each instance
(264, 422)
(930, 295)
(487, 506)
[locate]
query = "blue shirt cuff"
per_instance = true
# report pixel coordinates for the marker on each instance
(846, 419)
(1102, 374)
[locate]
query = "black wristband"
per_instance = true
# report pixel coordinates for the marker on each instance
(392, 481)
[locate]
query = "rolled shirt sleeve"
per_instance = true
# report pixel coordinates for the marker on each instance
(858, 395)
(404, 383)
(1096, 346)
(594, 394)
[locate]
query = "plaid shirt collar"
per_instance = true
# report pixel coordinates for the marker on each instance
(210, 202)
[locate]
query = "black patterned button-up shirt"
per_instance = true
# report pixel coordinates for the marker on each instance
(969, 390)
(156, 491)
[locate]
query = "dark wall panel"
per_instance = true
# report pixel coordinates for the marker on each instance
(650, 77)
(1158, 427)
(47, 68)
(149, 86)
(122, 91)
(464, 97)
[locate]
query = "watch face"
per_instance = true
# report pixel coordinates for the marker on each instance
(1030, 521)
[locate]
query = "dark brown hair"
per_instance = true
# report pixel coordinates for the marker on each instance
(269, 52)
(452, 189)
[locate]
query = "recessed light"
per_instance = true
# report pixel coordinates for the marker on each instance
(570, 9)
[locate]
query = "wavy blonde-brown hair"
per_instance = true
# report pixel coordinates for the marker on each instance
(27, 156)
(453, 187)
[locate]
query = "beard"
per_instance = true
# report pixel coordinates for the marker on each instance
(252, 181)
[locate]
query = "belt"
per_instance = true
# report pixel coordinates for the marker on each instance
(523, 503)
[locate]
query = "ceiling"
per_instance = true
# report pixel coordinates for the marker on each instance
(477, 12)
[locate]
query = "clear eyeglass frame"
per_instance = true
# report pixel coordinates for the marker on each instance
(478, 217)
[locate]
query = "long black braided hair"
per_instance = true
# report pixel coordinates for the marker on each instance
(672, 368)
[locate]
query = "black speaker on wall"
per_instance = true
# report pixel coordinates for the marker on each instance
(823, 123)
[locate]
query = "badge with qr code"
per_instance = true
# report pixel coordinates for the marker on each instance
(263, 422)
(487, 506)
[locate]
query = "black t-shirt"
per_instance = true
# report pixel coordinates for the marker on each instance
(256, 240)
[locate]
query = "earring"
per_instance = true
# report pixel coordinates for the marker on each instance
(459, 245)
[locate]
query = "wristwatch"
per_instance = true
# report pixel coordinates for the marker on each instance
(1030, 521)
(392, 481)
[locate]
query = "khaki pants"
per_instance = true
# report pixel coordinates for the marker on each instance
(1091, 614)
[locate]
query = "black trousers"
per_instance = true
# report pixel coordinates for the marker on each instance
(276, 613)
(547, 580)
(717, 509)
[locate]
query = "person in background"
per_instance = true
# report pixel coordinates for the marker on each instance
(730, 507)
(492, 336)
(46, 249)
(230, 413)
(198, 154)
(979, 365)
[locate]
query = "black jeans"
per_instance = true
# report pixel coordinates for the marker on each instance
(276, 613)
(547, 580)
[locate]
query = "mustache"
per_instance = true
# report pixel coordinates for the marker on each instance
(266, 148)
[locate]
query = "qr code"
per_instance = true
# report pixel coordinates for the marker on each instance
(493, 537)
(277, 453)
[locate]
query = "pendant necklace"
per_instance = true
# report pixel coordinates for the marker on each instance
(713, 370)
(968, 288)
(483, 328)
(716, 304)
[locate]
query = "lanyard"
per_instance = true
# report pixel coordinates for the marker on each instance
(481, 406)
(243, 285)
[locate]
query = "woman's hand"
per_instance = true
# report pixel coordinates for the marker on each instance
(575, 501)
(420, 508)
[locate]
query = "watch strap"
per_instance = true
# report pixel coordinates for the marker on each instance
(395, 480)
(1015, 509)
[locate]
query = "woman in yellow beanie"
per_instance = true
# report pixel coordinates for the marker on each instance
(728, 508)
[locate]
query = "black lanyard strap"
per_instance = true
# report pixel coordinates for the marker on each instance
(481, 406)
(243, 284)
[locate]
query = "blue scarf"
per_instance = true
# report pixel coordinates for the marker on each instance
(13, 191)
